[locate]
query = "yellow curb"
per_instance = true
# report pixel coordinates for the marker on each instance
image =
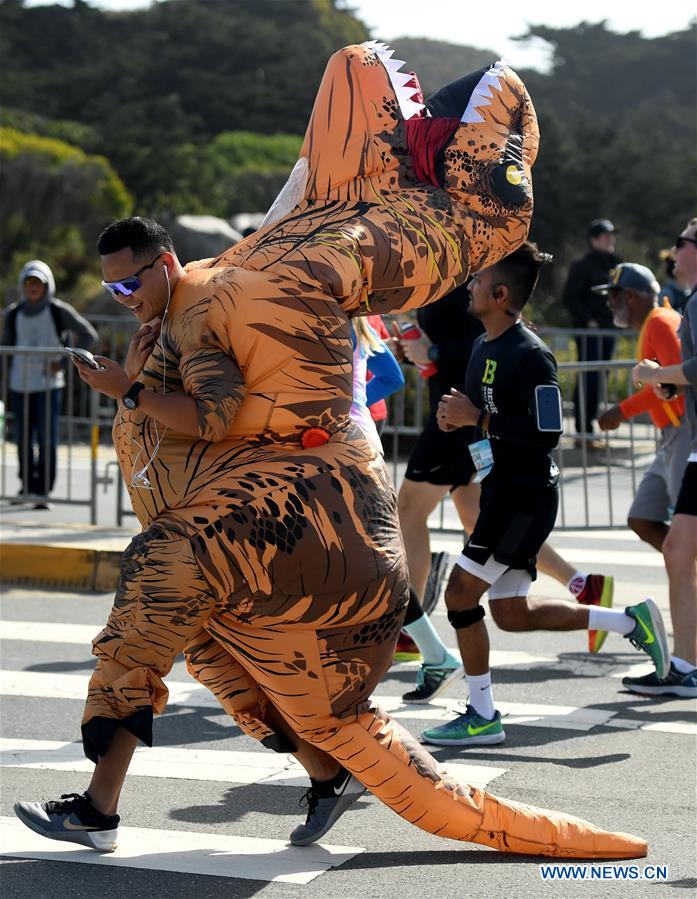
(38, 565)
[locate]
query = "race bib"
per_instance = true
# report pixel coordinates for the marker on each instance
(483, 459)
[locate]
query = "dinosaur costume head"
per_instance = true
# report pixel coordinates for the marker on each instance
(394, 201)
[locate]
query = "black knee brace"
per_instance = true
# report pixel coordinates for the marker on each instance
(461, 620)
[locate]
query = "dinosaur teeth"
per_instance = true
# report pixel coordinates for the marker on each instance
(399, 80)
(409, 108)
(483, 93)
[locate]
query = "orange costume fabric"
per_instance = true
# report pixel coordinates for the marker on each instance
(658, 340)
(280, 570)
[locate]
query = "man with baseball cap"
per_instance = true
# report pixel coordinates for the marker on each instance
(633, 298)
(589, 311)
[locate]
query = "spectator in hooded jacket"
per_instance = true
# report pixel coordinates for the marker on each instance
(36, 382)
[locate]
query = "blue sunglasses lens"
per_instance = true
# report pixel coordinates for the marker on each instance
(122, 288)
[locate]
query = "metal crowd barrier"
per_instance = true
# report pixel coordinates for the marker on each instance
(597, 485)
(76, 440)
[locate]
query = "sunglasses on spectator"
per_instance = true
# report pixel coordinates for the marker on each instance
(681, 241)
(127, 286)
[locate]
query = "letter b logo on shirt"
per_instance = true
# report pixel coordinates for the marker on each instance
(489, 371)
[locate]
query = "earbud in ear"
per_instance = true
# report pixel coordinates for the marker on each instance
(164, 269)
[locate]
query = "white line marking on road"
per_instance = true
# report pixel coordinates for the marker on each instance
(50, 632)
(83, 634)
(600, 559)
(673, 727)
(74, 686)
(184, 763)
(185, 852)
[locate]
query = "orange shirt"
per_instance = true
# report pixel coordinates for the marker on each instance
(658, 340)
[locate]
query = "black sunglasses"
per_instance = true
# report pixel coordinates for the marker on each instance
(681, 241)
(127, 286)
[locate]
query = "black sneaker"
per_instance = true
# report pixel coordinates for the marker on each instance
(326, 802)
(71, 818)
(436, 576)
(675, 683)
(432, 680)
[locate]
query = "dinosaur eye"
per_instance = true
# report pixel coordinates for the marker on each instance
(514, 175)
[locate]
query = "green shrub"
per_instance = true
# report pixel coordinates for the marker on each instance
(55, 200)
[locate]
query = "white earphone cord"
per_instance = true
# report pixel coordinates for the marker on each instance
(138, 478)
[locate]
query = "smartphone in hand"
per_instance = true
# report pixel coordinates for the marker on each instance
(84, 356)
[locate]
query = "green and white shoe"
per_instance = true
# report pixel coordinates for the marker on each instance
(468, 729)
(649, 634)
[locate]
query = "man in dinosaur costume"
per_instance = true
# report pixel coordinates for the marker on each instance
(270, 549)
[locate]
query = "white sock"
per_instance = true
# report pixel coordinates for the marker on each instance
(682, 666)
(481, 695)
(577, 583)
(615, 620)
(430, 644)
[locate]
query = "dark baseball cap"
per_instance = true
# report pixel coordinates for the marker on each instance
(631, 276)
(601, 226)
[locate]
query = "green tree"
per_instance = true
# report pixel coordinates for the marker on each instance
(56, 198)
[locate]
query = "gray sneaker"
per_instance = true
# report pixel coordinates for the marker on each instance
(73, 819)
(323, 811)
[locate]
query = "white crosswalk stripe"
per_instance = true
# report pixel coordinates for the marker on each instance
(598, 557)
(601, 558)
(185, 852)
(189, 763)
(189, 693)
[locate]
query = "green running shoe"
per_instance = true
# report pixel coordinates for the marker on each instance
(649, 634)
(468, 729)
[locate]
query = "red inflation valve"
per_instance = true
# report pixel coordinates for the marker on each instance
(313, 437)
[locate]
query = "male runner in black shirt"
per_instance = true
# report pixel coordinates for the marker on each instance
(440, 463)
(512, 396)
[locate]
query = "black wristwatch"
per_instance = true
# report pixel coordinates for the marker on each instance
(434, 352)
(130, 398)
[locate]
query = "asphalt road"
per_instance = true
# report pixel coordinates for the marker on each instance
(210, 798)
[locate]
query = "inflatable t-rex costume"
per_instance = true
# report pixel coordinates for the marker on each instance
(271, 550)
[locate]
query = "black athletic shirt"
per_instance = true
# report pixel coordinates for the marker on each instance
(501, 377)
(449, 325)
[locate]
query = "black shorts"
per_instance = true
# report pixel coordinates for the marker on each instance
(513, 524)
(687, 498)
(442, 457)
